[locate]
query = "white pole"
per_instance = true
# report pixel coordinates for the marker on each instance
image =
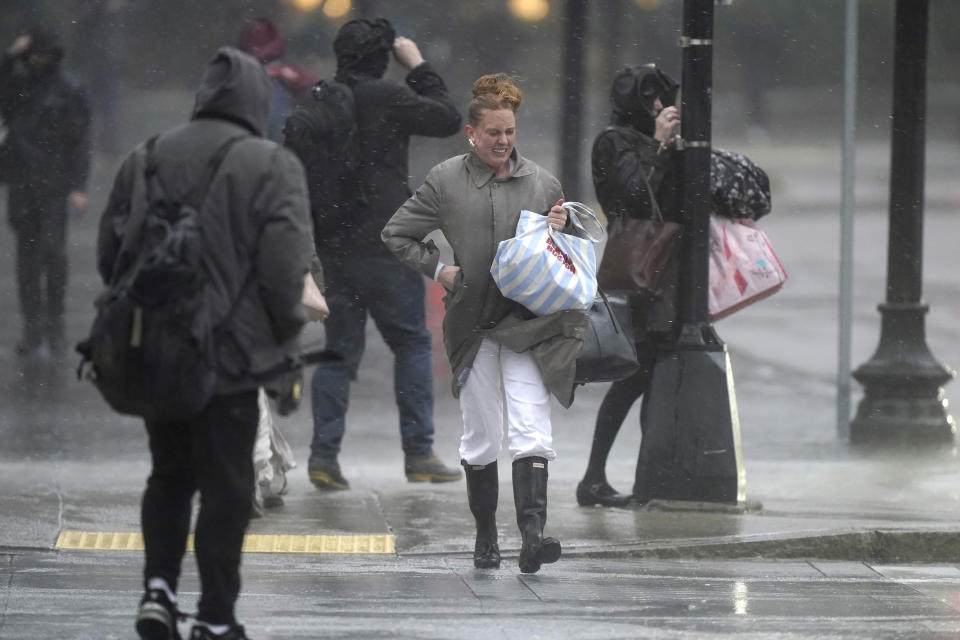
(847, 207)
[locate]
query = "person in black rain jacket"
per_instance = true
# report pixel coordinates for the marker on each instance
(362, 277)
(633, 173)
(44, 159)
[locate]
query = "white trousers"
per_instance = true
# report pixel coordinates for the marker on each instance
(504, 386)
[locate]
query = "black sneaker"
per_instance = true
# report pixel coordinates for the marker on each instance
(326, 475)
(157, 617)
(202, 632)
(430, 468)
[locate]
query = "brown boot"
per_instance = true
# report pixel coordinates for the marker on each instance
(430, 468)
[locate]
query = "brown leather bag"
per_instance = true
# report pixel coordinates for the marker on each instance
(637, 253)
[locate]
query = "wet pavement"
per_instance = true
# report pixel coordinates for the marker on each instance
(87, 596)
(833, 541)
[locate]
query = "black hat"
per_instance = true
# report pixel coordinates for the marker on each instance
(43, 40)
(634, 91)
(363, 49)
(360, 38)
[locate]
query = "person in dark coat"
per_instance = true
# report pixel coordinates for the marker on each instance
(256, 222)
(45, 160)
(362, 277)
(633, 173)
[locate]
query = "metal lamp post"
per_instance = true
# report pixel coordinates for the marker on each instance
(571, 120)
(903, 395)
(691, 444)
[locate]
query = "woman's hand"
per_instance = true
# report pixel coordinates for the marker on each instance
(21, 44)
(448, 277)
(665, 123)
(78, 200)
(407, 52)
(557, 216)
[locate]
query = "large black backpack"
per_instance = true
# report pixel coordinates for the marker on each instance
(151, 347)
(322, 132)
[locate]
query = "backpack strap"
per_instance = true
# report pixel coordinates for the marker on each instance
(196, 197)
(198, 192)
(134, 225)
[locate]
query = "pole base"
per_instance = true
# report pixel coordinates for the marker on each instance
(691, 438)
(904, 402)
(919, 421)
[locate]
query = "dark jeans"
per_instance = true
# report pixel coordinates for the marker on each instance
(40, 224)
(212, 453)
(394, 296)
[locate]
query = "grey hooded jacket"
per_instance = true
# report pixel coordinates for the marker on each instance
(255, 218)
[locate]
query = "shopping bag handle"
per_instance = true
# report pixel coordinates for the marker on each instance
(582, 216)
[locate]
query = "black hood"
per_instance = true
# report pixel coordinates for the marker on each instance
(634, 91)
(234, 87)
(44, 40)
(363, 48)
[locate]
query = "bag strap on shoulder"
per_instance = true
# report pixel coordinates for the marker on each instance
(135, 220)
(626, 131)
(198, 192)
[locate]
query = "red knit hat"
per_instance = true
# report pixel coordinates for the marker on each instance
(261, 39)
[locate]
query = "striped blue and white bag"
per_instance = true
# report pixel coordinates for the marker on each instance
(547, 270)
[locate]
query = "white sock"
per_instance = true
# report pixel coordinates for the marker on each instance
(161, 584)
(215, 629)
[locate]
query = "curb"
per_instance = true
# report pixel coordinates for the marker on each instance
(867, 545)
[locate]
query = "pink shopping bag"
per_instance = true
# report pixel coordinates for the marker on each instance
(743, 267)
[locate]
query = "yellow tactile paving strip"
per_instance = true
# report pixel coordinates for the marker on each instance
(106, 541)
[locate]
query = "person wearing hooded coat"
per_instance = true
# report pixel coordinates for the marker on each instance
(362, 277)
(256, 224)
(45, 160)
(633, 172)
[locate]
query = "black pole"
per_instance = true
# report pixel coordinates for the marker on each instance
(571, 120)
(903, 395)
(696, 109)
(613, 34)
(691, 442)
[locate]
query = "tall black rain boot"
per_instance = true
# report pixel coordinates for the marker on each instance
(530, 498)
(483, 488)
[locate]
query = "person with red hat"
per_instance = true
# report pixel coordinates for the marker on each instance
(262, 39)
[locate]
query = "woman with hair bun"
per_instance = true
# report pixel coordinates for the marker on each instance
(506, 362)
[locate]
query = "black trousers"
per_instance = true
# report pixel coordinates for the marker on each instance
(40, 224)
(212, 454)
(616, 404)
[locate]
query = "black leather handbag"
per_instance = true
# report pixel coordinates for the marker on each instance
(608, 352)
